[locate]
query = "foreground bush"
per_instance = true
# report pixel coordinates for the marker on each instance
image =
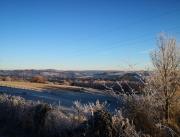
(21, 118)
(24, 118)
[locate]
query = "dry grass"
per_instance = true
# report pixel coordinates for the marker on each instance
(38, 86)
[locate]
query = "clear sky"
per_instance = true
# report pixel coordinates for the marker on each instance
(83, 34)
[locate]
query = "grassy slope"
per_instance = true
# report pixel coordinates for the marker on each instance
(50, 86)
(37, 86)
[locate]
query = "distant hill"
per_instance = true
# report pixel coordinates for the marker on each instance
(52, 74)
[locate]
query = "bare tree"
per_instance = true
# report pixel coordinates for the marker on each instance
(166, 62)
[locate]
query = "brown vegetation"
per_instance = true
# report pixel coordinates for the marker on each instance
(39, 79)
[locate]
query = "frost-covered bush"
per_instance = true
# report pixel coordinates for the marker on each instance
(86, 111)
(100, 125)
(123, 126)
(19, 117)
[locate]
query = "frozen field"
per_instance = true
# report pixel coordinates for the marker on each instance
(62, 97)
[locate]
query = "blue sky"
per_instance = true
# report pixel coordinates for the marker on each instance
(83, 34)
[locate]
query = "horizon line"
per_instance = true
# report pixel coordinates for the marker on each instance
(74, 69)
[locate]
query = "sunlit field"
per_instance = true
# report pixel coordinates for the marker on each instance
(38, 86)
